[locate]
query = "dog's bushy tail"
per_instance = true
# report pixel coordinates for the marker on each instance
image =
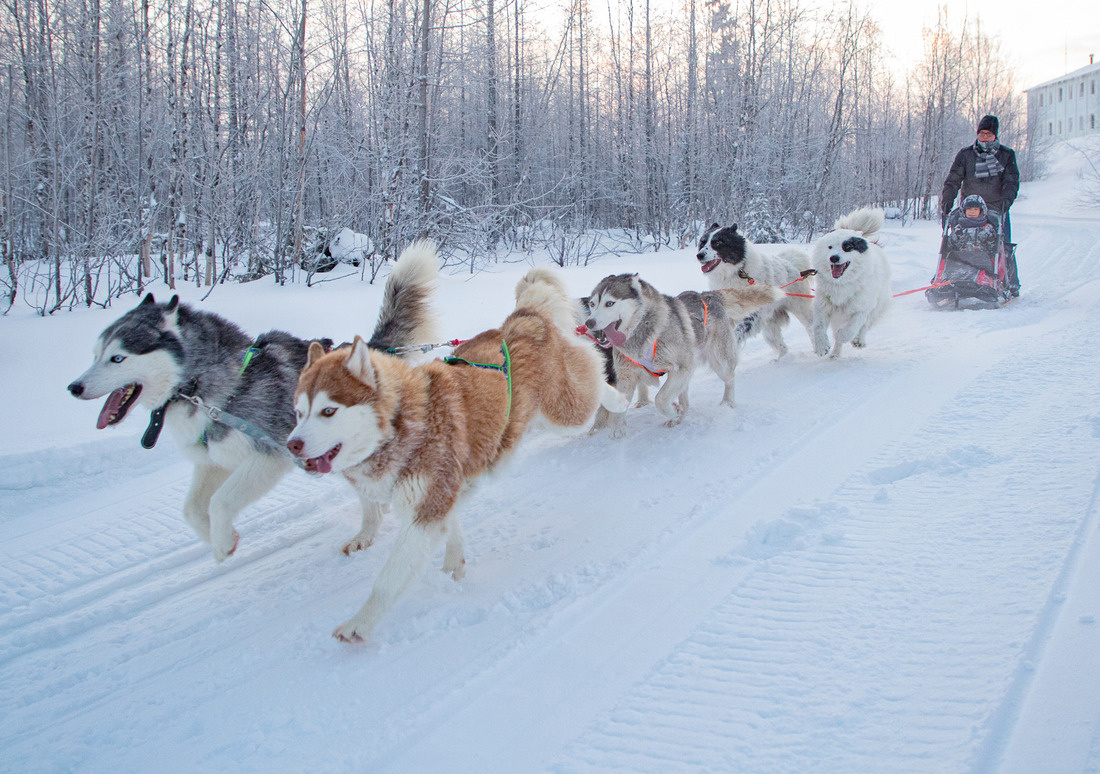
(867, 221)
(742, 302)
(541, 290)
(407, 317)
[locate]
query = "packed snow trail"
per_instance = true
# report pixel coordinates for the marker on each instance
(880, 563)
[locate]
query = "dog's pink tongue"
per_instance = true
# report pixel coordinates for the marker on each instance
(110, 408)
(614, 335)
(710, 266)
(838, 269)
(322, 464)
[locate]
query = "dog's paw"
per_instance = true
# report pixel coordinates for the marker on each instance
(225, 549)
(618, 432)
(858, 342)
(350, 632)
(457, 571)
(357, 543)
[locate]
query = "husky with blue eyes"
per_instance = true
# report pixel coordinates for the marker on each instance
(655, 336)
(852, 286)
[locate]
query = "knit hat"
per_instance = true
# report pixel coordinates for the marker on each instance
(990, 123)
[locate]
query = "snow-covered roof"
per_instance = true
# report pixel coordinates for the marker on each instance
(1090, 68)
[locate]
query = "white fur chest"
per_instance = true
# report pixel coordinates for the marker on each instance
(377, 488)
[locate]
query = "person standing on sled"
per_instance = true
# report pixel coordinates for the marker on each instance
(988, 169)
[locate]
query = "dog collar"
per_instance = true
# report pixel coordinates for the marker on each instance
(156, 417)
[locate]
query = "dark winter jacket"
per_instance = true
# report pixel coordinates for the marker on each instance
(998, 191)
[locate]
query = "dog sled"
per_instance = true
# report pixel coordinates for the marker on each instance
(974, 260)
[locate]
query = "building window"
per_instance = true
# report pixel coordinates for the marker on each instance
(1082, 88)
(1059, 127)
(1040, 100)
(1059, 97)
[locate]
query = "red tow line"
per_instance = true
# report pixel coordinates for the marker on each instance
(896, 295)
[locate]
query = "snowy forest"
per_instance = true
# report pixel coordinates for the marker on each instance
(202, 141)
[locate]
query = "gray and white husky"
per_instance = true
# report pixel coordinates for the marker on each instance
(163, 355)
(731, 261)
(658, 335)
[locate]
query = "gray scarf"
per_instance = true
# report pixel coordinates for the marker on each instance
(987, 164)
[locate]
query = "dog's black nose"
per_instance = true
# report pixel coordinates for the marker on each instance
(590, 323)
(77, 389)
(834, 258)
(701, 256)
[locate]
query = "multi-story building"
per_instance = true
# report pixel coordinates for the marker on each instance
(1065, 107)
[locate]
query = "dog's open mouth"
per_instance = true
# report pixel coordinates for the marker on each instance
(597, 336)
(839, 268)
(710, 266)
(614, 335)
(117, 405)
(323, 464)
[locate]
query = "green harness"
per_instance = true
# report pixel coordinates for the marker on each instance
(505, 369)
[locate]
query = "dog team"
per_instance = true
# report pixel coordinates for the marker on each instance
(415, 437)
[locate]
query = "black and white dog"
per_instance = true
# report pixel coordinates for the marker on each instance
(731, 261)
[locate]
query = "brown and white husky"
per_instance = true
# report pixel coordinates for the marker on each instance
(415, 437)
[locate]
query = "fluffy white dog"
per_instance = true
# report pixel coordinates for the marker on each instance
(852, 286)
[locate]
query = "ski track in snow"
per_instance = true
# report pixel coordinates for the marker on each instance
(858, 569)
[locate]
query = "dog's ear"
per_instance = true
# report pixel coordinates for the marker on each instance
(316, 351)
(733, 228)
(358, 363)
(147, 300)
(714, 227)
(170, 321)
(858, 244)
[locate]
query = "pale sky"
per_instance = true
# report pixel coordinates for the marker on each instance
(1043, 40)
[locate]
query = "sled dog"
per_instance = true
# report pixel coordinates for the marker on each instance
(603, 346)
(654, 335)
(163, 355)
(417, 437)
(731, 261)
(852, 283)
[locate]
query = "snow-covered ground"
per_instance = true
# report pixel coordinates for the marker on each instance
(887, 563)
